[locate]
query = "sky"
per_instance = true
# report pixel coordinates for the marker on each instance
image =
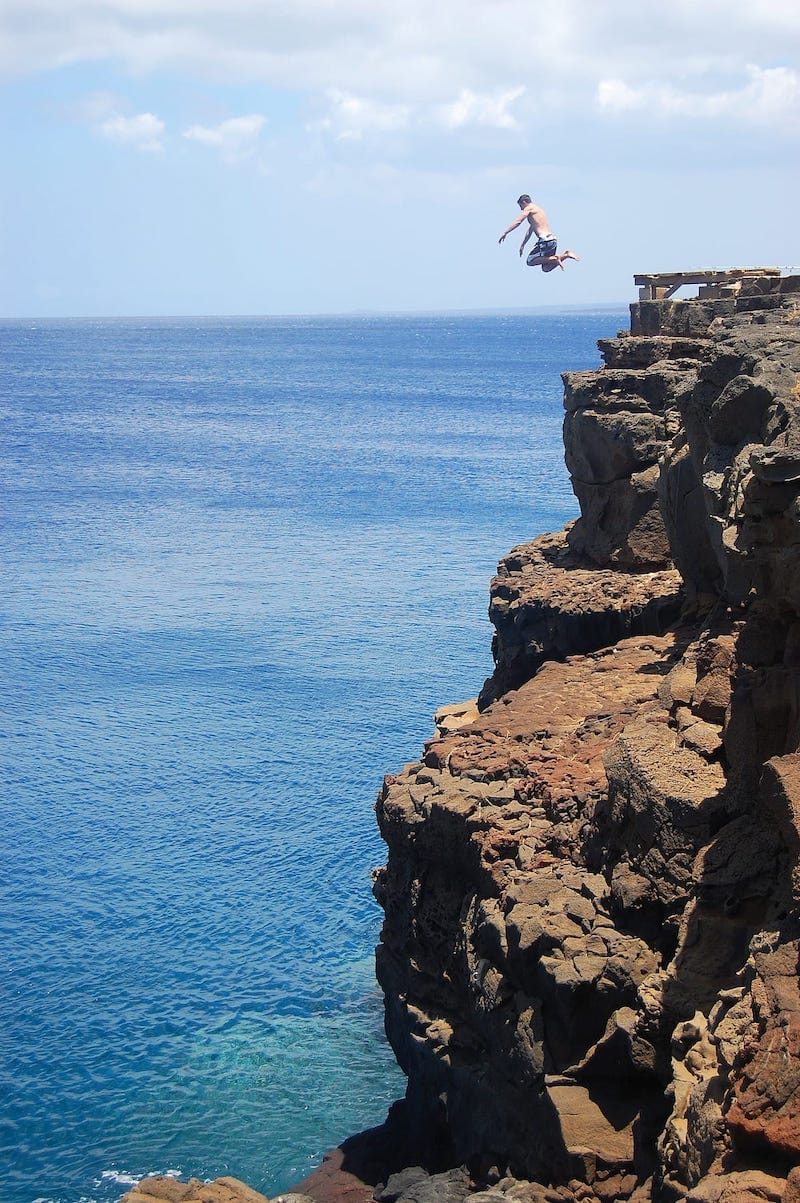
(188, 157)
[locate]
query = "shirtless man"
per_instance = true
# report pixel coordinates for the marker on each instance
(544, 252)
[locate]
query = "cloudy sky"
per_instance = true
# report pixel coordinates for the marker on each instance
(330, 156)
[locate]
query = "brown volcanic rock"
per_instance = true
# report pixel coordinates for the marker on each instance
(621, 523)
(766, 1070)
(737, 456)
(626, 351)
(165, 1189)
(590, 951)
(546, 602)
(500, 959)
(618, 423)
(744, 1186)
(664, 800)
(602, 447)
(780, 795)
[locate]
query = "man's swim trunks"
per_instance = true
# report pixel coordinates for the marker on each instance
(544, 246)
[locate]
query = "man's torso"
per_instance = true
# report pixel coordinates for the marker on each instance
(538, 222)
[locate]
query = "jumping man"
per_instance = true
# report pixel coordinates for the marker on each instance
(544, 252)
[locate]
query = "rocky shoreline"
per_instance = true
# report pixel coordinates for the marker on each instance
(592, 897)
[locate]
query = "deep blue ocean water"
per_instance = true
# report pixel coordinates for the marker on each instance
(244, 561)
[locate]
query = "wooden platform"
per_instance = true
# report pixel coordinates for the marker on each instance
(660, 286)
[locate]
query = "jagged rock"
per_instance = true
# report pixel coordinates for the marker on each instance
(450, 718)
(792, 1192)
(621, 523)
(601, 448)
(683, 508)
(685, 319)
(643, 352)
(742, 421)
(599, 1120)
(617, 425)
(664, 801)
(402, 1181)
(592, 896)
(546, 603)
(484, 905)
(417, 1186)
(221, 1190)
(747, 1186)
(766, 1070)
(780, 794)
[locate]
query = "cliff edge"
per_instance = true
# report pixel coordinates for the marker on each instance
(592, 896)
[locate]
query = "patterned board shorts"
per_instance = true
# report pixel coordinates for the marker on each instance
(544, 246)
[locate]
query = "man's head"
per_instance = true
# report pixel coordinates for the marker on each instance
(523, 200)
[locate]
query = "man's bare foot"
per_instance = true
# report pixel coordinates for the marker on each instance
(571, 255)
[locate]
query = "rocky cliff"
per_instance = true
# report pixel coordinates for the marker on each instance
(592, 895)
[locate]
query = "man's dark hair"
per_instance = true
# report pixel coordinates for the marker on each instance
(524, 199)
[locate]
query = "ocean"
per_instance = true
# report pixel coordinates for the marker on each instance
(244, 561)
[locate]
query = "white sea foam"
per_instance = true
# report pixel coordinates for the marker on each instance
(121, 1177)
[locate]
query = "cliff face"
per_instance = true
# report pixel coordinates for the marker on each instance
(592, 896)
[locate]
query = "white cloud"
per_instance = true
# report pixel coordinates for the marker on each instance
(351, 117)
(144, 131)
(472, 108)
(235, 139)
(381, 66)
(770, 94)
(108, 114)
(615, 96)
(401, 52)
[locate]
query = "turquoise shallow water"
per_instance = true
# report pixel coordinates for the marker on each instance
(245, 560)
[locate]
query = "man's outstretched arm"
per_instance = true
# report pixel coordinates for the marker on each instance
(513, 226)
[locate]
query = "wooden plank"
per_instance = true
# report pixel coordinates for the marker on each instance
(660, 286)
(676, 279)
